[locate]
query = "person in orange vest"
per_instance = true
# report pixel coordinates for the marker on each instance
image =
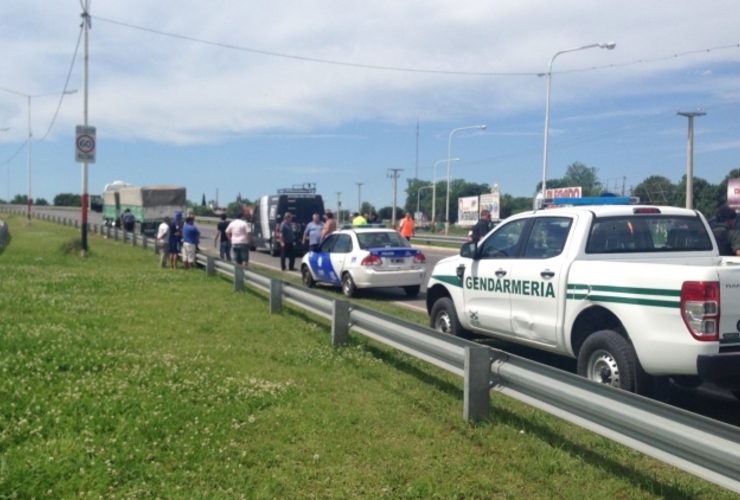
(407, 226)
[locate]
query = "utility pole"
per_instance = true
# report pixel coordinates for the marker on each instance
(394, 176)
(86, 26)
(690, 155)
(416, 171)
(339, 208)
(359, 196)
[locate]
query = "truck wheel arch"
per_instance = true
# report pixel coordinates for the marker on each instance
(434, 294)
(592, 320)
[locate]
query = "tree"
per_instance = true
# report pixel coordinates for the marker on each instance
(203, 203)
(511, 206)
(705, 197)
(19, 199)
(386, 213)
(579, 174)
(367, 207)
(655, 190)
(459, 188)
(41, 202)
(67, 200)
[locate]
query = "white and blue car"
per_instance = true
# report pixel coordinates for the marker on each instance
(363, 257)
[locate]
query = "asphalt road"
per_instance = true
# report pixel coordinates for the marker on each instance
(208, 233)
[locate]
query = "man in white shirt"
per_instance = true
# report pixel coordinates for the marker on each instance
(163, 244)
(240, 236)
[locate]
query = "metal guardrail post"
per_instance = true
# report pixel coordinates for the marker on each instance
(144, 242)
(276, 295)
(477, 399)
(115, 234)
(210, 266)
(107, 232)
(77, 223)
(133, 239)
(340, 323)
(238, 278)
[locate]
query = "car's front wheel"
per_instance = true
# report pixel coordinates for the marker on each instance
(608, 358)
(444, 318)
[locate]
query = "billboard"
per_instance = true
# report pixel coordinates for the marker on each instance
(733, 193)
(566, 192)
(467, 211)
(492, 203)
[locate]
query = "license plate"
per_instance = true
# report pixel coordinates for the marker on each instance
(397, 261)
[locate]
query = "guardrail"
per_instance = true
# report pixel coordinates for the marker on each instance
(432, 238)
(699, 445)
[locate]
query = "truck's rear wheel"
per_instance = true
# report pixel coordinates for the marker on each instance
(275, 249)
(608, 358)
(444, 318)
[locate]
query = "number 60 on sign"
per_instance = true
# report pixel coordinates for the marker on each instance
(85, 144)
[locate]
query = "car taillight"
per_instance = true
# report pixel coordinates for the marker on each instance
(371, 260)
(419, 258)
(700, 309)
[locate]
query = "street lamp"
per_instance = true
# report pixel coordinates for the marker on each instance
(8, 167)
(418, 192)
(608, 46)
(449, 159)
(30, 135)
(434, 190)
(690, 155)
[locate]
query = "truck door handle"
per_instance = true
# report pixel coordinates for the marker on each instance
(500, 273)
(547, 274)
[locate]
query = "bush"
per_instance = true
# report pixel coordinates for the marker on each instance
(71, 246)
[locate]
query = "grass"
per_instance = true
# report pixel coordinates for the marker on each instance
(122, 380)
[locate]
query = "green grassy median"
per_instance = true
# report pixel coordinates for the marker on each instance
(122, 380)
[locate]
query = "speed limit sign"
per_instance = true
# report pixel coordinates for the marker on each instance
(85, 144)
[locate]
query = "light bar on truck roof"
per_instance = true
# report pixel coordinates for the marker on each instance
(591, 200)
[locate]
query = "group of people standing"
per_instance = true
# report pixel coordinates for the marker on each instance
(178, 237)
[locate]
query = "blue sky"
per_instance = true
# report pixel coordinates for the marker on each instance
(175, 111)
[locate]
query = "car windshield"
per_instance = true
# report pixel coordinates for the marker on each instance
(381, 239)
(641, 233)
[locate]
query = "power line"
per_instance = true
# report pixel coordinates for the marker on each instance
(406, 70)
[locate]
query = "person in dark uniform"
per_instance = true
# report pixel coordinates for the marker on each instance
(482, 227)
(728, 238)
(287, 243)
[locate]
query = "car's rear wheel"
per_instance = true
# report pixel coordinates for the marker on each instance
(348, 285)
(444, 318)
(308, 280)
(608, 358)
(412, 291)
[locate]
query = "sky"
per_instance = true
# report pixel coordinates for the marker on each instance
(241, 97)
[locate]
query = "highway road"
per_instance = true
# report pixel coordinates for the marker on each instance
(208, 233)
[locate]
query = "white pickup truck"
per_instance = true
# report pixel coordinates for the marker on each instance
(637, 294)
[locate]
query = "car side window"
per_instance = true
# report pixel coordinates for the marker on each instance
(328, 243)
(343, 244)
(547, 238)
(502, 243)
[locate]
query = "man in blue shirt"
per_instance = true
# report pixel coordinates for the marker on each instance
(313, 233)
(190, 240)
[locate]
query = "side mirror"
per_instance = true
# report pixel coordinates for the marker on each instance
(468, 250)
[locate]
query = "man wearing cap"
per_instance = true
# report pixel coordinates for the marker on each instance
(728, 238)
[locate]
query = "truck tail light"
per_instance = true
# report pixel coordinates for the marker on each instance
(371, 260)
(419, 258)
(700, 309)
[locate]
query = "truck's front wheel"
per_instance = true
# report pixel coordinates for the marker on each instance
(608, 358)
(444, 318)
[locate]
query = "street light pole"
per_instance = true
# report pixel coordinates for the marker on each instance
(339, 208)
(359, 197)
(84, 201)
(608, 46)
(418, 192)
(394, 176)
(434, 191)
(690, 155)
(449, 159)
(30, 135)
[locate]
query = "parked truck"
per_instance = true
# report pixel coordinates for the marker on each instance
(636, 294)
(149, 204)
